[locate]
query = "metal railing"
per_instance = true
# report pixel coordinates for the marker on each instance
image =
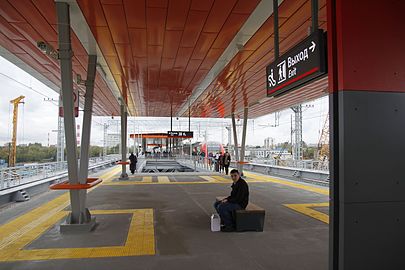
(299, 164)
(15, 176)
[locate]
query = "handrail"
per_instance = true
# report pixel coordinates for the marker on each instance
(16, 176)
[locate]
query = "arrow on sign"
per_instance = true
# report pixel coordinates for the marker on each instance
(312, 47)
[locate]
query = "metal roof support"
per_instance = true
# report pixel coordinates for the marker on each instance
(78, 215)
(276, 30)
(124, 175)
(85, 144)
(243, 146)
(235, 139)
(314, 15)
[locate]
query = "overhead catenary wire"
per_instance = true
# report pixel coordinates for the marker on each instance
(28, 87)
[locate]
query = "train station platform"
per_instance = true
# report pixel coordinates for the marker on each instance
(163, 222)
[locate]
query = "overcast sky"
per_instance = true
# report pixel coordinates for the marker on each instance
(38, 118)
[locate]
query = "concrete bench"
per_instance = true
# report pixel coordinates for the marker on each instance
(249, 219)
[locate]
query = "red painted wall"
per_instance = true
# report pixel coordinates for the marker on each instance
(369, 45)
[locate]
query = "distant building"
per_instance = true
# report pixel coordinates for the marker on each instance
(264, 153)
(113, 139)
(269, 143)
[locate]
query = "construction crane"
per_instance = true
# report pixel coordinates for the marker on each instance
(323, 144)
(13, 150)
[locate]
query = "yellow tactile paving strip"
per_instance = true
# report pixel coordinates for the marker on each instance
(164, 180)
(265, 178)
(306, 209)
(21, 231)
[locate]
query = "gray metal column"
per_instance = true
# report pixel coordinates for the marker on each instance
(296, 133)
(65, 56)
(85, 144)
(124, 175)
(242, 149)
(235, 139)
(88, 110)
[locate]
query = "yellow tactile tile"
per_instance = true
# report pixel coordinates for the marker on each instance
(208, 178)
(163, 179)
(306, 209)
(265, 178)
(147, 179)
(140, 240)
(21, 231)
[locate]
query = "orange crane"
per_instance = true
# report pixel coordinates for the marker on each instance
(13, 151)
(323, 145)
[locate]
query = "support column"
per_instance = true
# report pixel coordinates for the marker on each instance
(65, 57)
(296, 133)
(124, 175)
(235, 140)
(367, 111)
(85, 144)
(243, 146)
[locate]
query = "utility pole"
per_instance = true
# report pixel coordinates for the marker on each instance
(296, 133)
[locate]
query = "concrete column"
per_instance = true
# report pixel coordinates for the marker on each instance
(367, 110)
(65, 57)
(124, 175)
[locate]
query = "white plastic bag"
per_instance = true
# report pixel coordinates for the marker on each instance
(215, 223)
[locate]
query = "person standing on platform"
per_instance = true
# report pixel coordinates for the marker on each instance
(216, 160)
(221, 162)
(227, 162)
(133, 160)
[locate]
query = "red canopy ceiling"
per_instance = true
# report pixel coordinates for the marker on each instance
(159, 51)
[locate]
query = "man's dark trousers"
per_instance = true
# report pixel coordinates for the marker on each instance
(225, 211)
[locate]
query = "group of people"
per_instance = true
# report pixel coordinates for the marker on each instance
(221, 161)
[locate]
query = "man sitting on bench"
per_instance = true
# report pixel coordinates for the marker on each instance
(238, 199)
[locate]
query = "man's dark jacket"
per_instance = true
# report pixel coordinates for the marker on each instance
(240, 193)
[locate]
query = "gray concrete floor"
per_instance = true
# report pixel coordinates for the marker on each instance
(183, 238)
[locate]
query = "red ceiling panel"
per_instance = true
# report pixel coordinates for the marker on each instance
(211, 58)
(245, 7)
(177, 14)
(94, 13)
(231, 27)
(193, 27)
(252, 88)
(135, 13)
(10, 45)
(171, 43)
(155, 18)
(203, 45)
(138, 42)
(156, 3)
(115, 16)
(107, 46)
(8, 12)
(154, 56)
(48, 13)
(201, 5)
(182, 58)
(140, 46)
(27, 9)
(218, 15)
(190, 72)
(124, 54)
